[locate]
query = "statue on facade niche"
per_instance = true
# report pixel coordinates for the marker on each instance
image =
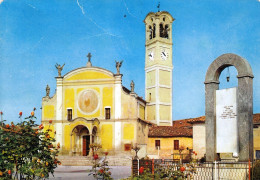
(118, 65)
(59, 67)
(132, 85)
(48, 91)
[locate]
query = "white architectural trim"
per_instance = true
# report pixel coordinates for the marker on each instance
(150, 87)
(171, 96)
(118, 105)
(118, 135)
(161, 86)
(59, 112)
(156, 66)
(59, 92)
(157, 107)
(164, 86)
(145, 94)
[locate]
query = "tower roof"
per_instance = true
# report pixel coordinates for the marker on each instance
(157, 14)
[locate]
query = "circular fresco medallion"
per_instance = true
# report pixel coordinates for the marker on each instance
(88, 101)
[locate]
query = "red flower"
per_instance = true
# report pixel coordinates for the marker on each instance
(141, 170)
(58, 145)
(50, 121)
(20, 113)
(95, 156)
(106, 153)
(41, 126)
(9, 172)
(109, 172)
(182, 169)
(146, 163)
(195, 154)
(12, 125)
(101, 171)
(32, 113)
(1, 113)
(7, 126)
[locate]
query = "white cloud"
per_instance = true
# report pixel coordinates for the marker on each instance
(1, 1)
(81, 7)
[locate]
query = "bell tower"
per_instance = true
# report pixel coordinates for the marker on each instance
(158, 67)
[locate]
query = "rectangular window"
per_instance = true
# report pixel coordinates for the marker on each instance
(157, 144)
(176, 144)
(107, 111)
(69, 111)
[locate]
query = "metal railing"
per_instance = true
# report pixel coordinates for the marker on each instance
(203, 171)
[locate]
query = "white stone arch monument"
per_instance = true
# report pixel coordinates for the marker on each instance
(244, 105)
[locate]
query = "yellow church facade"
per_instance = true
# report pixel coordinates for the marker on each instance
(91, 105)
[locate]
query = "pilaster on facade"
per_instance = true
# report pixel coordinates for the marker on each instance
(157, 107)
(118, 111)
(59, 107)
(117, 95)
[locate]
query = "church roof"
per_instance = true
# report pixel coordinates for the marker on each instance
(201, 119)
(126, 90)
(183, 128)
(180, 128)
(158, 14)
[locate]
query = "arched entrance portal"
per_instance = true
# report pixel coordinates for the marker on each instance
(80, 140)
(244, 105)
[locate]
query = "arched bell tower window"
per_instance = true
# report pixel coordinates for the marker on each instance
(161, 30)
(164, 31)
(154, 27)
(151, 32)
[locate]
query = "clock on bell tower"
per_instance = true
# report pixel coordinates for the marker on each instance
(158, 67)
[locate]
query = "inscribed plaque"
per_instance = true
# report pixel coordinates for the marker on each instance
(226, 121)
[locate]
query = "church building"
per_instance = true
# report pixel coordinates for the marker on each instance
(91, 105)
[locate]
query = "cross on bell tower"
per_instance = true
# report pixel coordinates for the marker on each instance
(89, 60)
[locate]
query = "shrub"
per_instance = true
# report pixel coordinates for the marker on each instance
(100, 169)
(256, 170)
(26, 151)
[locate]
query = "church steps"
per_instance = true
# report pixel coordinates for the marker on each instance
(88, 161)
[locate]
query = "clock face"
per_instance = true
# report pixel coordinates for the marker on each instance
(88, 101)
(164, 55)
(151, 55)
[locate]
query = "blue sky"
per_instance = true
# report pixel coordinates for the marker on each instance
(37, 34)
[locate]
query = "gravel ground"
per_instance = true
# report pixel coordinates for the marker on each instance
(82, 172)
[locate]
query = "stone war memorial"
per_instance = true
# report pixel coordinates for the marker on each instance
(229, 112)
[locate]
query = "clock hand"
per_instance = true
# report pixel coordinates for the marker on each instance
(150, 55)
(164, 54)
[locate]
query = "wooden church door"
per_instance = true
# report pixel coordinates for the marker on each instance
(86, 142)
